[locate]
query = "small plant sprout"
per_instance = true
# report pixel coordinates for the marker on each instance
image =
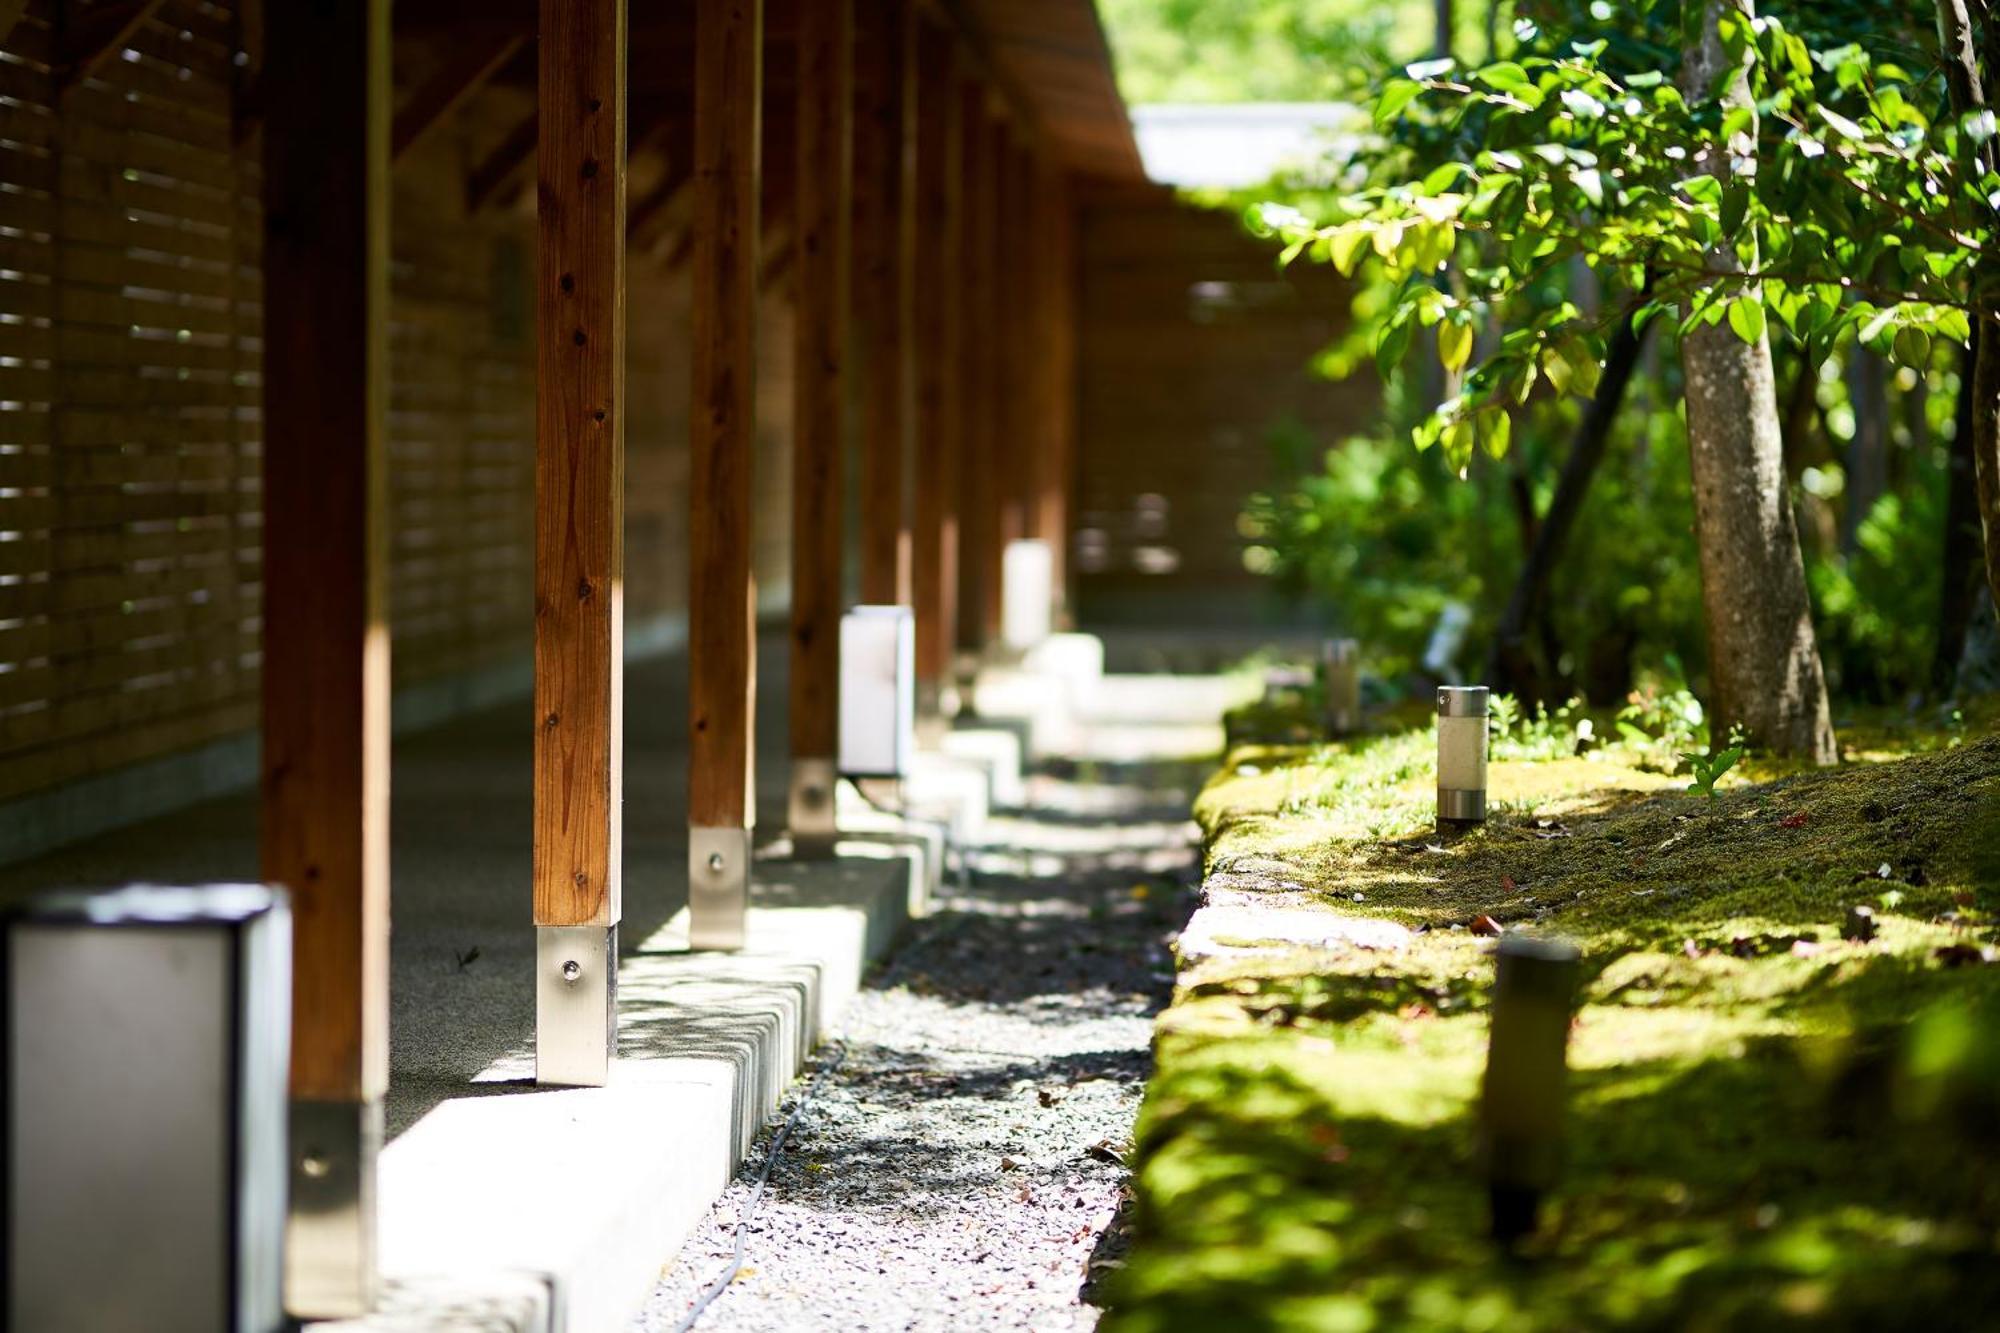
(1709, 766)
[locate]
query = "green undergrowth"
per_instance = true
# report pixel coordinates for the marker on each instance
(1771, 1125)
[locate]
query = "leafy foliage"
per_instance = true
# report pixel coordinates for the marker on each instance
(1848, 209)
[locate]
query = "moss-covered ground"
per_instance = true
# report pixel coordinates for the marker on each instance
(1770, 1125)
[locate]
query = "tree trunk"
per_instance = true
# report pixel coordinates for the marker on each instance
(1764, 662)
(1868, 452)
(1959, 596)
(1961, 51)
(1508, 667)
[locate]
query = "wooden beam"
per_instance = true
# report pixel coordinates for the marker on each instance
(501, 165)
(935, 316)
(722, 595)
(979, 565)
(325, 765)
(823, 202)
(91, 37)
(579, 535)
(1055, 351)
(473, 60)
(886, 227)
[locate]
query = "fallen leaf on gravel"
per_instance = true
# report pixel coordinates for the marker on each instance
(1008, 1164)
(1047, 1098)
(1104, 1150)
(1486, 925)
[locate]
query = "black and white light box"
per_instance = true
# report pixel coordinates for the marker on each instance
(147, 1033)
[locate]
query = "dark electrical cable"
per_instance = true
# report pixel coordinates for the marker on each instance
(720, 1283)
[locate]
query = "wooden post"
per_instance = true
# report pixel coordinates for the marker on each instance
(885, 239)
(1014, 449)
(1061, 493)
(979, 567)
(325, 769)
(937, 297)
(1055, 241)
(722, 593)
(822, 215)
(579, 536)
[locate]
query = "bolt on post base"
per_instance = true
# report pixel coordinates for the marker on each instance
(810, 808)
(576, 1004)
(331, 1269)
(718, 887)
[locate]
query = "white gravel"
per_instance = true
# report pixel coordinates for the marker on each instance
(960, 1166)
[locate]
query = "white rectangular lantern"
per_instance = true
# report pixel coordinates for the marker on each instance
(878, 691)
(1027, 593)
(147, 1037)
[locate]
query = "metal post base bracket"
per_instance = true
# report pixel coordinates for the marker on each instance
(718, 887)
(809, 810)
(330, 1250)
(576, 1004)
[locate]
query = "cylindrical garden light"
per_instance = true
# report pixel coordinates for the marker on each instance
(1461, 762)
(1523, 1098)
(1340, 680)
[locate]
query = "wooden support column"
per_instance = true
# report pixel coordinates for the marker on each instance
(1054, 353)
(579, 536)
(979, 568)
(1013, 305)
(1068, 282)
(822, 219)
(722, 593)
(935, 319)
(884, 264)
(325, 768)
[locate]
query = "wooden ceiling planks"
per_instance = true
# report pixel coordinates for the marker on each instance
(1052, 56)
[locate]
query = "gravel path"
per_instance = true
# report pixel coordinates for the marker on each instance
(957, 1163)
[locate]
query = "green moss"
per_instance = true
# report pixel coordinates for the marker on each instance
(1769, 1125)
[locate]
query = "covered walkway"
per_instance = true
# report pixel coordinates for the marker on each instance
(438, 446)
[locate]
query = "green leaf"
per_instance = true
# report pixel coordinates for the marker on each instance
(1395, 341)
(1457, 439)
(1495, 429)
(1735, 204)
(1556, 366)
(1345, 245)
(1396, 95)
(1746, 316)
(1454, 345)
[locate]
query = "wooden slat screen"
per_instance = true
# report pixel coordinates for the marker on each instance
(129, 406)
(128, 417)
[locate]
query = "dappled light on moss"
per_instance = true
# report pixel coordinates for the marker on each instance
(1760, 1135)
